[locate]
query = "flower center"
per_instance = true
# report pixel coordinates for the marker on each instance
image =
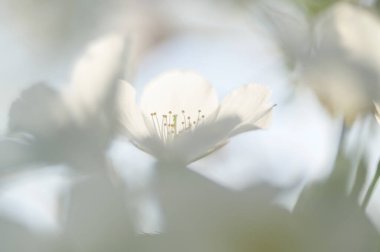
(168, 126)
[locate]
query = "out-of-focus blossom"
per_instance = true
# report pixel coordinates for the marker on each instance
(180, 119)
(343, 87)
(345, 68)
(350, 31)
(72, 126)
(44, 38)
(341, 59)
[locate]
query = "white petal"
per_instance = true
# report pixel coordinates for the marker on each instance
(352, 30)
(203, 140)
(251, 103)
(179, 90)
(96, 74)
(130, 115)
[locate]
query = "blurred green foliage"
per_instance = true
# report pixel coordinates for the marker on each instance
(314, 7)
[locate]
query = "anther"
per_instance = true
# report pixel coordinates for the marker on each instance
(167, 126)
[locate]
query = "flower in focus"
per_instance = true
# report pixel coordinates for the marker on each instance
(180, 120)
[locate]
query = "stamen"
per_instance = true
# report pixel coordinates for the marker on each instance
(167, 128)
(184, 118)
(170, 116)
(198, 119)
(175, 124)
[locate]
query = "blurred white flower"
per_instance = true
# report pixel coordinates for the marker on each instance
(344, 87)
(181, 121)
(350, 30)
(335, 53)
(73, 126)
(344, 68)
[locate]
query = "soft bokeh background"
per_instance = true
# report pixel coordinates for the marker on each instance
(71, 182)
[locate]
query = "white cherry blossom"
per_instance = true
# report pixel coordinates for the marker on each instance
(180, 120)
